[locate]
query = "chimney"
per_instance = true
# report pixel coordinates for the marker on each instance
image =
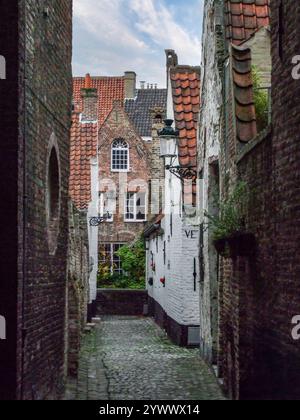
(172, 62)
(172, 59)
(90, 101)
(130, 84)
(143, 84)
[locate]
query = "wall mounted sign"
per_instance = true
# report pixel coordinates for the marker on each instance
(191, 234)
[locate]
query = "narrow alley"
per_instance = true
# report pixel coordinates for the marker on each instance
(130, 358)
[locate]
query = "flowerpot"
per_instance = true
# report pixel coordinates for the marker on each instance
(242, 245)
(222, 247)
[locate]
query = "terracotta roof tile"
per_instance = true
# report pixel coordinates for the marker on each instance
(84, 139)
(243, 94)
(109, 89)
(186, 97)
(244, 17)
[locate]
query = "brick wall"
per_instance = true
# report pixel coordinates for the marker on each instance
(35, 366)
(9, 171)
(48, 106)
(260, 294)
(121, 302)
(118, 126)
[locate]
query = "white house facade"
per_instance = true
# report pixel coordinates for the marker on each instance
(172, 240)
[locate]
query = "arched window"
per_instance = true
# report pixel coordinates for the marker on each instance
(53, 186)
(120, 156)
(53, 199)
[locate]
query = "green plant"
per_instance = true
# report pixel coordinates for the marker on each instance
(232, 213)
(120, 281)
(104, 269)
(261, 101)
(133, 259)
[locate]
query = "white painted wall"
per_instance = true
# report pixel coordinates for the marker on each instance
(178, 298)
(210, 131)
(93, 211)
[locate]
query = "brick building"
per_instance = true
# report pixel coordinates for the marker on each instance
(256, 288)
(36, 41)
(111, 146)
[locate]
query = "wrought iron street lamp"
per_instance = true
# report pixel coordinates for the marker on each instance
(97, 221)
(169, 142)
(168, 138)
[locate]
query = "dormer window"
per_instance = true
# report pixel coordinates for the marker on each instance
(120, 156)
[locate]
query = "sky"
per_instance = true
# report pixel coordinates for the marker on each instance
(114, 36)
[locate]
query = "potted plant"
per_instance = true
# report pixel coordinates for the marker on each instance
(229, 228)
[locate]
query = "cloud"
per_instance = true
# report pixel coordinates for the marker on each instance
(112, 36)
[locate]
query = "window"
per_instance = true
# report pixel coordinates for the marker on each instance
(53, 186)
(109, 259)
(53, 200)
(120, 156)
(107, 204)
(135, 207)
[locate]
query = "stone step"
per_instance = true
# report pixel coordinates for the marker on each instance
(96, 320)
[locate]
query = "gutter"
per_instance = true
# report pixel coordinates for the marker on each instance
(152, 229)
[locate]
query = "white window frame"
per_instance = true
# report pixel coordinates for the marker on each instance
(116, 149)
(111, 255)
(104, 209)
(135, 220)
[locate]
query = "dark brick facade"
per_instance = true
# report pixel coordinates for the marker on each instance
(122, 302)
(40, 224)
(9, 171)
(259, 295)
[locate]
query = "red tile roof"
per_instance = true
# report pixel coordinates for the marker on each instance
(243, 94)
(244, 17)
(84, 139)
(109, 89)
(186, 97)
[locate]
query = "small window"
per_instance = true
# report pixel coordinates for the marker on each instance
(120, 156)
(135, 207)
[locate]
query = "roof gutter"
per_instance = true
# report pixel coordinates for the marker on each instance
(152, 229)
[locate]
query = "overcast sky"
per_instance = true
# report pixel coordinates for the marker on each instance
(113, 36)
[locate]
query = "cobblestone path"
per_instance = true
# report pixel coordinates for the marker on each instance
(132, 359)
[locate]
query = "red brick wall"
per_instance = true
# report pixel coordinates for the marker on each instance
(117, 126)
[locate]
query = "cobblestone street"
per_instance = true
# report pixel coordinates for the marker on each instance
(131, 358)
